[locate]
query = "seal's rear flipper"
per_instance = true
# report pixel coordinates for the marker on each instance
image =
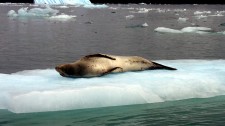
(100, 55)
(160, 66)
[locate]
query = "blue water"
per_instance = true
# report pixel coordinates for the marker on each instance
(208, 111)
(35, 41)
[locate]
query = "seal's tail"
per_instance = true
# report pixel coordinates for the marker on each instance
(160, 66)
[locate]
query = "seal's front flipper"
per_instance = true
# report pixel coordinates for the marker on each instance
(113, 70)
(100, 55)
(160, 66)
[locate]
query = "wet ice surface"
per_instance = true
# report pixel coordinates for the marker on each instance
(19, 92)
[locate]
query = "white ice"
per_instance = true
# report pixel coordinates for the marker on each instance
(144, 25)
(167, 30)
(71, 2)
(84, 3)
(202, 12)
(45, 90)
(129, 17)
(62, 17)
(198, 30)
(38, 12)
(180, 19)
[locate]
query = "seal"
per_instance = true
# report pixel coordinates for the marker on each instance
(102, 64)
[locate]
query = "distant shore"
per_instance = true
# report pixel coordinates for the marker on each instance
(134, 1)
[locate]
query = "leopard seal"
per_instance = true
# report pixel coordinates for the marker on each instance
(101, 64)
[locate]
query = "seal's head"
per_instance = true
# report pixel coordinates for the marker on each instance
(70, 70)
(65, 70)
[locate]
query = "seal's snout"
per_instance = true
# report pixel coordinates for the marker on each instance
(58, 69)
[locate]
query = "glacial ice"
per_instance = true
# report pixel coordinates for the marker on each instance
(72, 2)
(198, 30)
(167, 30)
(202, 12)
(48, 13)
(145, 25)
(45, 90)
(84, 3)
(129, 17)
(180, 19)
(62, 17)
(38, 12)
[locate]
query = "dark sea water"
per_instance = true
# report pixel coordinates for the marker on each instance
(32, 93)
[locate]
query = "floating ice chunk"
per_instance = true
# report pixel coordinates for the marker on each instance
(95, 6)
(62, 7)
(129, 8)
(19, 92)
(217, 15)
(138, 26)
(12, 13)
(113, 8)
(62, 17)
(180, 19)
(199, 30)
(161, 10)
(24, 12)
(222, 32)
(141, 10)
(145, 25)
(200, 16)
(129, 17)
(167, 30)
(180, 10)
(202, 12)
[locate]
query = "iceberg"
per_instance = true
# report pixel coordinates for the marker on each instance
(84, 3)
(72, 2)
(39, 12)
(47, 13)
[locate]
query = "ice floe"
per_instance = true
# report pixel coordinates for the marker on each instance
(199, 30)
(62, 17)
(128, 17)
(40, 12)
(200, 16)
(202, 12)
(45, 90)
(180, 19)
(145, 25)
(167, 30)
(46, 13)
(141, 10)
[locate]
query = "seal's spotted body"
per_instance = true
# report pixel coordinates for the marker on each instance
(101, 64)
